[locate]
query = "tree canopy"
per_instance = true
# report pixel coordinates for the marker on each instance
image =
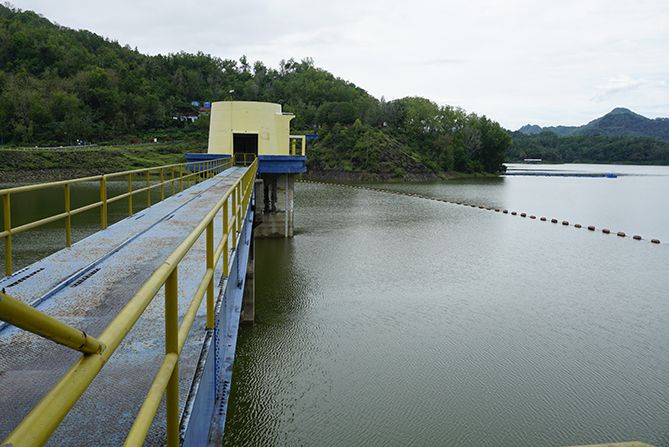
(60, 85)
(588, 149)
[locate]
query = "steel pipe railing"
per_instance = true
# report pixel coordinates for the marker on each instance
(206, 168)
(40, 423)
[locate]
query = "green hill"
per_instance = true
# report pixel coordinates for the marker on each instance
(618, 122)
(624, 122)
(59, 86)
(620, 136)
(588, 149)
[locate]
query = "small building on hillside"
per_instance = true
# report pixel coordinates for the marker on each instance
(260, 130)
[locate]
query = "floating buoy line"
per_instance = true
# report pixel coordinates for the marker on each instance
(565, 223)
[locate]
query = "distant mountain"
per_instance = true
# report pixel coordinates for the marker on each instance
(618, 122)
(530, 129)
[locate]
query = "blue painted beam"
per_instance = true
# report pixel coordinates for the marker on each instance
(267, 164)
(282, 164)
(205, 411)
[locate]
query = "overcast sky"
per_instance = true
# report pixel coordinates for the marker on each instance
(517, 61)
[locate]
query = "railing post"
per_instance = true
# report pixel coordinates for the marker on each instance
(172, 169)
(148, 189)
(68, 218)
(162, 185)
(210, 265)
(239, 206)
(130, 194)
(226, 238)
(234, 214)
(103, 199)
(7, 218)
(172, 346)
(181, 178)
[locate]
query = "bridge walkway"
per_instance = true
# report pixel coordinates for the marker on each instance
(86, 286)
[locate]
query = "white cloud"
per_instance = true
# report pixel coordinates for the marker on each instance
(622, 84)
(516, 61)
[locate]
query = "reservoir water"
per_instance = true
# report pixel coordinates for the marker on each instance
(395, 320)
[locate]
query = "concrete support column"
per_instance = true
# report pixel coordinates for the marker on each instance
(276, 197)
(289, 200)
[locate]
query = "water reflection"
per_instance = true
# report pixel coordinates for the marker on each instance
(393, 320)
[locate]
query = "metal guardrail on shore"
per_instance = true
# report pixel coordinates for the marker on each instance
(180, 176)
(42, 421)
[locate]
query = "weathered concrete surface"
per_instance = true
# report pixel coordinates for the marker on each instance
(30, 365)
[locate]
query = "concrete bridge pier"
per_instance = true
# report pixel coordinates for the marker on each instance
(275, 205)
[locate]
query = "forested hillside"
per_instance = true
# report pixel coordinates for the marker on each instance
(551, 147)
(619, 122)
(60, 85)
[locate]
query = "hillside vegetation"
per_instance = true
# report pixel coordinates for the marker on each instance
(33, 165)
(59, 85)
(620, 136)
(618, 122)
(588, 149)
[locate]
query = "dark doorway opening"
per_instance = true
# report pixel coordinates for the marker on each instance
(245, 143)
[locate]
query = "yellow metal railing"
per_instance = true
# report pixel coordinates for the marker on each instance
(30, 319)
(39, 424)
(294, 140)
(244, 158)
(177, 175)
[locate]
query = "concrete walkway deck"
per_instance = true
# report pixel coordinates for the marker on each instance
(86, 286)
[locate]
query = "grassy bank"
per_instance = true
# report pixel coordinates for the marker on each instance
(36, 165)
(30, 165)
